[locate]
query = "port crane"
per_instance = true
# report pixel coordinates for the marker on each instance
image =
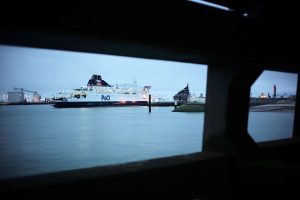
(34, 92)
(35, 95)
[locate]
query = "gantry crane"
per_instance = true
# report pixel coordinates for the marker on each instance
(35, 96)
(34, 92)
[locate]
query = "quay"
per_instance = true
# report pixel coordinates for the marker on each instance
(167, 103)
(25, 103)
(190, 107)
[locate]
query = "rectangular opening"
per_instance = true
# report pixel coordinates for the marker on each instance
(37, 137)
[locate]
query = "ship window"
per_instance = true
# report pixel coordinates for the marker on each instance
(41, 138)
(272, 106)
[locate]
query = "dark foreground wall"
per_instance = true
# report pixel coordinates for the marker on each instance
(236, 48)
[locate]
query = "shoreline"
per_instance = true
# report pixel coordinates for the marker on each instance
(26, 103)
(196, 107)
(273, 108)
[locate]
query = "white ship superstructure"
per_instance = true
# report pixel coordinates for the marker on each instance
(99, 93)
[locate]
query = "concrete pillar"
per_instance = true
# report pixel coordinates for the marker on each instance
(218, 80)
(227, 107)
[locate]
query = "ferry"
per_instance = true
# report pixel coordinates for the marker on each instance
(98, 93)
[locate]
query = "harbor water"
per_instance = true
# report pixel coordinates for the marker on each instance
(37, 139)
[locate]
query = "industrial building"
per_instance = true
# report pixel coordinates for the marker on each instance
(237, 43)
(15, 97)
(19, 96)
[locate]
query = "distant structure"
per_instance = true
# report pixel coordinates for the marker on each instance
(274, 91)
(19, 96)
(183, 95)
(275, 95)
(262, 96)
(15, 97)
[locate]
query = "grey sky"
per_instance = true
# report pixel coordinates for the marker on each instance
(51, 71)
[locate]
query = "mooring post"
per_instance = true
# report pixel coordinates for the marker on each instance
(149, 103)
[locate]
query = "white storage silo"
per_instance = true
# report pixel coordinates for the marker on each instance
(15, 97)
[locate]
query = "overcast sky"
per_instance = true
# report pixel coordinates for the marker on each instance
(51, 71)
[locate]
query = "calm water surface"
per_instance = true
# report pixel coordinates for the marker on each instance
(264, 126)
(39, 139)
